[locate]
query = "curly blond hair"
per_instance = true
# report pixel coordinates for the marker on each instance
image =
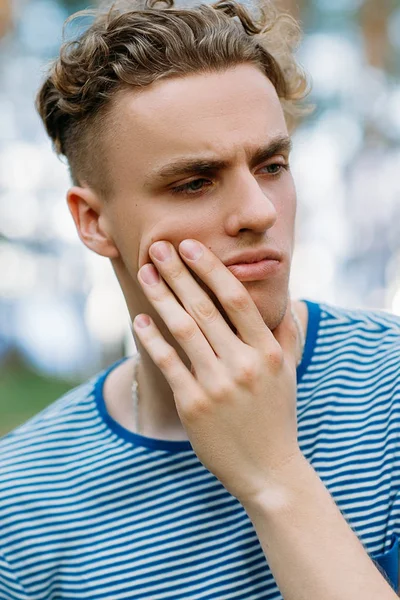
(135, 43)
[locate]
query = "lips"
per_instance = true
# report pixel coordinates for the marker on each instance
(253, 256)
(258, 271)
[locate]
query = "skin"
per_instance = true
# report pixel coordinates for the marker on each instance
(239, 208)
(219, 356)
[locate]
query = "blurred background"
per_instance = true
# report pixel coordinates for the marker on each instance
(62, 315)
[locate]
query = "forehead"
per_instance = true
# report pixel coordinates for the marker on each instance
(222, 114)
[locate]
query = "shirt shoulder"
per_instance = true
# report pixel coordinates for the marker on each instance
(371, 319)
(356, 353)
(366, 334)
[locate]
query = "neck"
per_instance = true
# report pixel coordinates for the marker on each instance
(157, 414)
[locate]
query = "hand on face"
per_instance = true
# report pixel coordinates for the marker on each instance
(238, 403)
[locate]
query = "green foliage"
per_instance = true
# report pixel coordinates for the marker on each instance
(23, 393)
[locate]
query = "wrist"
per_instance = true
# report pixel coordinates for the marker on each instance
(281, 488)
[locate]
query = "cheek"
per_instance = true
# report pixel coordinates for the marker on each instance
(129, 234)
(287, 204)
(174, 229)
(291, 204)
(187, 221)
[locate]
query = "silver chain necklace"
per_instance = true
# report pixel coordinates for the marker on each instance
(135, 393)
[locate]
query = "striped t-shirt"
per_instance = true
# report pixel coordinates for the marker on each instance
(91, 511)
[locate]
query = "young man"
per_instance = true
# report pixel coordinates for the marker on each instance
(216, 469)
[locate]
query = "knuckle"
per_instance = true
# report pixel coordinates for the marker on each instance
(184, 331)
(195, 408)
(247, 371)
(205, 310)
(275, 358)
(166, 359)
(175, 270)
(237, 302)
(222, 390)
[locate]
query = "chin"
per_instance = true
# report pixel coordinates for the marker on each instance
(271, 301)
(272, 309)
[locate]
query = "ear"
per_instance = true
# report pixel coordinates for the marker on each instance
(90, 219)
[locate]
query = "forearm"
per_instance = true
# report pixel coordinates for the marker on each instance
(310, 548)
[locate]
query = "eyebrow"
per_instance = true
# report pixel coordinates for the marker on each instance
(202, 166)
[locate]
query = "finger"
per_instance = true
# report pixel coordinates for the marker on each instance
(181, 325)
(286, 335)
(232, 295)
(198, 305)
(183, 384)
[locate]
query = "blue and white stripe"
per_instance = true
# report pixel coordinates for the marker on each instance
(91, 511)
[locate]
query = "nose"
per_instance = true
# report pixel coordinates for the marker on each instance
(249, 206)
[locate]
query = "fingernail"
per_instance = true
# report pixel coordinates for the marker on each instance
(161, 250)
(149, 274)
(142, 321)
(190, 249)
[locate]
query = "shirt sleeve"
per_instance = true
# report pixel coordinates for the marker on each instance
(10, 587)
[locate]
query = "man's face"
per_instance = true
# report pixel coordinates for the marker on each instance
(234, 200)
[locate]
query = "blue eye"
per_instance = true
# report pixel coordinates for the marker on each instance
(276, 168)
(192, 187)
